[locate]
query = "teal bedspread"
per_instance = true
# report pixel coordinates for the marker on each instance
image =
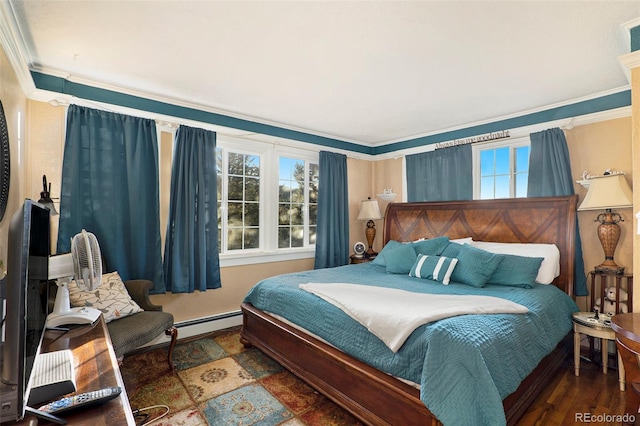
(465, 365)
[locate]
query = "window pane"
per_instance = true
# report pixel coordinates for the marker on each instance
(313, 214)
(236, 188)
(234, 239)
(283, 237)
(297, 193)
(297, 236)
(284, 192)
(486, 188)
(252, 189)
(286, 168)
(234, 214)
(297, 215)
(219, 174)
(252, 165)
(251, 238)
(252, 214)
(522, 184)
(522, 159)
(236, 163)
(502, 187)
(486, 162)
(312, 235)
(283, 214)
(503, 166)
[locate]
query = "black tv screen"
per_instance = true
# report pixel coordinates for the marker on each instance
(26, 303)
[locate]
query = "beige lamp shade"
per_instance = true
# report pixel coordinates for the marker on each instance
(369, 210)
(607, 192)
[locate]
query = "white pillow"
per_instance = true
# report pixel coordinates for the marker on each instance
(111, 298)
(467, 240)
(550, 267)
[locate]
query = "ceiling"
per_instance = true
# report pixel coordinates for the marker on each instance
(362, 71)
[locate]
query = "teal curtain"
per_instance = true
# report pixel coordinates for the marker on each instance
(550, 175)
(441, 175)
(191, 260)
(332, 239)
(110, 188)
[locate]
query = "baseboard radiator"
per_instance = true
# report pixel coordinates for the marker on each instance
(200, 326)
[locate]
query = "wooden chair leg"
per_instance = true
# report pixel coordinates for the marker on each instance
(173, 332)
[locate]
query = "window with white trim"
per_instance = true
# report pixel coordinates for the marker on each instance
(501, 169)
(297, 202)
(267, 199)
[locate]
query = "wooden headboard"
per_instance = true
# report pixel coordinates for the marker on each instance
(514, 220)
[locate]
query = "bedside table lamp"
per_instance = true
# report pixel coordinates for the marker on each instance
(370, 211)
(606, 193)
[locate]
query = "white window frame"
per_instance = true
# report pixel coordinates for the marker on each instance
(475, 152)
(269, 154)
(308, 158)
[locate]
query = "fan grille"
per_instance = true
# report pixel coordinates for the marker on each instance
(87, 260)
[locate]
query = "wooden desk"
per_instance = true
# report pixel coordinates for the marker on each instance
(96, 368)
(627, 328)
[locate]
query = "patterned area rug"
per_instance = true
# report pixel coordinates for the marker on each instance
(219, 382)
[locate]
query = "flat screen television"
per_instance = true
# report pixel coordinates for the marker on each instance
(25, 295)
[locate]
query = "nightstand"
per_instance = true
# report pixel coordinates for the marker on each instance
(585, 323)
(355, 259)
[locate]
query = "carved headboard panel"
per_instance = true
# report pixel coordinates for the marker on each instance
(514, 220)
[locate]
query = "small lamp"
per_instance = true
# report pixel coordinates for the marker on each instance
(370, 211)
(45, 196)
(608, 192)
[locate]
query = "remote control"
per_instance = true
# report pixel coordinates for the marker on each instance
(81, 400)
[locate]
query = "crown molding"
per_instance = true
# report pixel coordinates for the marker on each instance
(525, 131)
(18, 58)
(628, 62)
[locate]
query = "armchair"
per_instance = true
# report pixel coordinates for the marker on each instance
(131, 332)
(135, 330)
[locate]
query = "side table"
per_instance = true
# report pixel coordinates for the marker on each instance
(355, 259)
(585, 323)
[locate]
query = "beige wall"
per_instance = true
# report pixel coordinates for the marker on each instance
(236, 283)
(14, 103)
(595, 148)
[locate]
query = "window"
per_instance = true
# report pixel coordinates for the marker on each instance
(241, 185)
(501, 169)
(267, 201)
(297, 202)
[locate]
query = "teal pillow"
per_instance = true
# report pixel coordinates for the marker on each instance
(388, 248)
(436, 268)
(433, 246)
(398, 257)
(475, 266)
(452, 250)
(516, 271)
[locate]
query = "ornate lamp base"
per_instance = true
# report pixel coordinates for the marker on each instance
(609, 234)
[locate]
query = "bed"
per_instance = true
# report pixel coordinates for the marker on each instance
(380, 386)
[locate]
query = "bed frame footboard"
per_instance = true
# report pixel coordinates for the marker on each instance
(370, 395)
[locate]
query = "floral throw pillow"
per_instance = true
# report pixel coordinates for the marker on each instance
(111, 298)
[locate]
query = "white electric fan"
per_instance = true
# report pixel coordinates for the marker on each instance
(85, 264)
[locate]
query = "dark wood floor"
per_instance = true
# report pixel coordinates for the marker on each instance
(568, 397)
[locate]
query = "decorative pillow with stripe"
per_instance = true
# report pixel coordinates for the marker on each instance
(436, 268)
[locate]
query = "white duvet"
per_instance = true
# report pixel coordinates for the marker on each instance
(392, 315)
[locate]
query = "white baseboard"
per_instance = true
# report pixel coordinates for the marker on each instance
(200, 326)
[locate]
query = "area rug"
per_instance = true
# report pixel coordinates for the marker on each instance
(219, 382)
